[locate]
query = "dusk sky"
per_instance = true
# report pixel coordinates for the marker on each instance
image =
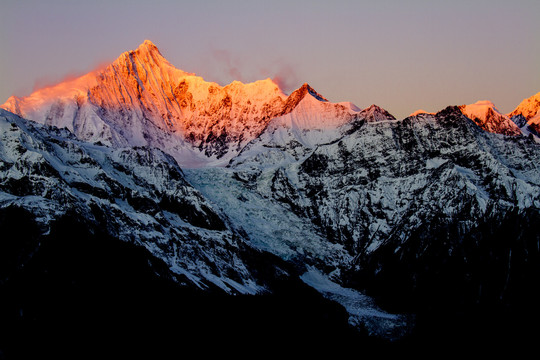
(401, 55)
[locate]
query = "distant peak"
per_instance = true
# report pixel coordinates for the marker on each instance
(421, 111)
(484, 114)
(307, 89)
(529, 108)
(146, 50)
(479, 108)
(299, 94)
(373, 108)
(484, 103)
(376, 113)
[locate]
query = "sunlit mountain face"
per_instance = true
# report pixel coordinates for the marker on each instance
(527, 113)
(487, 117)
(143, 192)
(141, 99)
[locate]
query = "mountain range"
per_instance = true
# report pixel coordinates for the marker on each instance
(303, 216)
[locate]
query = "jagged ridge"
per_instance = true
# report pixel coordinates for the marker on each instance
(141, 99)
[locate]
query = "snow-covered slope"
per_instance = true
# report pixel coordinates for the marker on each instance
(529, 108)
(386, 187)
(360, 186)
(138, 195)
(290, 137)
(420, 111)
(529, 113)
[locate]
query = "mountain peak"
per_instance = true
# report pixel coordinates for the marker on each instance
(375, 113)
(148, 43)
(146, 55)
(484, 103)
(480, 109)
(529, 108)
(299, 94)
(486, 115)
(313, 93)
(148, 47)
(146, 51)
(420, 112)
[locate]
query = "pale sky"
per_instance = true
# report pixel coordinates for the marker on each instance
(401, 55)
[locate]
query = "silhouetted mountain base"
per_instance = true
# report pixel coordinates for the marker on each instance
(79, 292)
(480, 288)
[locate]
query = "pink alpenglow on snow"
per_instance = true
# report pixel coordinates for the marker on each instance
(488, 117)
(141, 99)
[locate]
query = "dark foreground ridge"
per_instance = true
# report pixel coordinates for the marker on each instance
(77, 291)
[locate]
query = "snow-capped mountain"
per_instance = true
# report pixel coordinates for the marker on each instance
(372, 195)
(527, 114)
(138, 195)
(375, 113)
(488, 117)
(142, 100)
(236, 188)
(384, 181)
(420, 111)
